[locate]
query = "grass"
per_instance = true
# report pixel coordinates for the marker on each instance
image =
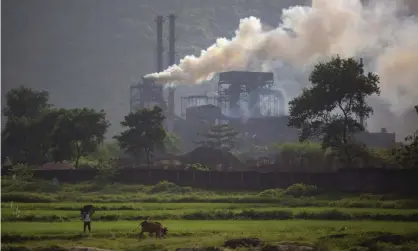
(38, 214)
(297, 195)
(119, 235)
(201, 211)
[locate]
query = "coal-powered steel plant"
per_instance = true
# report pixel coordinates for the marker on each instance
(245, 100)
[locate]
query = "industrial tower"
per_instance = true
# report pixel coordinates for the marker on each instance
(146, 94)
(171, 61)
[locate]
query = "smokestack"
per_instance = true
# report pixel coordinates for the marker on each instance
(160, 21)
(172, 39)
(171, 61)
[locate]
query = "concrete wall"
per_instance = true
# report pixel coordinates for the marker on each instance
(365, 180)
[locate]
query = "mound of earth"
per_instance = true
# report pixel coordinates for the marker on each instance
(52, 248)
(86, 249)
(200, 249)
(211, 157)
(243, 242)
(390, 238)
(286, 248)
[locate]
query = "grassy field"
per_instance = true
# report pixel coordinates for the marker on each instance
(119, 235)
(58, 212)
(34, 214)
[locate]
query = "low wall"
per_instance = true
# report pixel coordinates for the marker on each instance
(374, 180)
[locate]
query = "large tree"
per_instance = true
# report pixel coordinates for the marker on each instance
(77, 133)
(221, 136)
(25, 102)
(332, 108)
(25, 138)
(144, 134)
(36, 133)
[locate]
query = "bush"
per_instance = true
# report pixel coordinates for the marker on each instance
(168, 187)
(271, 193)
(197, 167)
(26, 197)
(20, 175)
(300, 190)
(306, 156)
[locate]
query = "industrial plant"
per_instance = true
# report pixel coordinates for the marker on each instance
(245, 100)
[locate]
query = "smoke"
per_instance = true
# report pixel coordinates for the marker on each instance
(376, 30)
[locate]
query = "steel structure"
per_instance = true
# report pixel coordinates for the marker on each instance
(253, 89)
(196, 100)
(147, 93)
(272, 102)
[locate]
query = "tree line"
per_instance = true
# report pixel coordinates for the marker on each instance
(36, 132)
(333, 108)
(330, 111)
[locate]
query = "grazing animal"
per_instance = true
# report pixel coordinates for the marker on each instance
(153, 227)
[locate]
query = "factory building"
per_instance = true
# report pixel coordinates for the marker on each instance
(246, 100)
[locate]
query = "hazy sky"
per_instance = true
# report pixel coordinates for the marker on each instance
(88, 53)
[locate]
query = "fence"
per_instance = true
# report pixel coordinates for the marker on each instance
(373, 180)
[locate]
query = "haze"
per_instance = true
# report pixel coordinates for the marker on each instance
(88, 53)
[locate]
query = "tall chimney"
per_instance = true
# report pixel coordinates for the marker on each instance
(171, 40)
(160, 21)
(171, 61)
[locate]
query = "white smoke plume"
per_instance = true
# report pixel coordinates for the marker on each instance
(376, 31)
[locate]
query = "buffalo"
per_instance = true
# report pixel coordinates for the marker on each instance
(153, 227)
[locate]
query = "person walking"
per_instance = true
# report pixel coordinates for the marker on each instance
(87, 221)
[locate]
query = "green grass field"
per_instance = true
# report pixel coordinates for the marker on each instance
(197, 211)
(35, 216)
(118, 235)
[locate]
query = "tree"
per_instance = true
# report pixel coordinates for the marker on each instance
(28, 140)
(106, 152)
(14, 140)
(25, 102)
(172, 143)
(25, 136)
(144, 132)
(407, 154)
(77, 133)
(332, 108)
(220, 136)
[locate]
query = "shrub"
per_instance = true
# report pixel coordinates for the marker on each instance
(105, 173)
(168, 187)
(271, 193)
(300, 189)
(20, 175)
(26, 197)
(302, 156)
(197, 167)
